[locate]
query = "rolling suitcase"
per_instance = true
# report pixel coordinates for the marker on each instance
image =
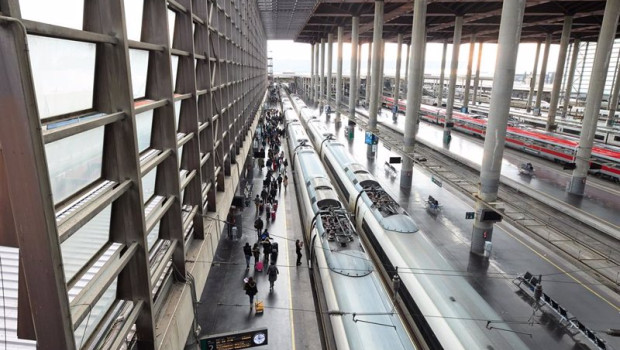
(259, 266)
(259, 307)
(273, 216)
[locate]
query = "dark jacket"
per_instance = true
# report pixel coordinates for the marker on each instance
(250, 288)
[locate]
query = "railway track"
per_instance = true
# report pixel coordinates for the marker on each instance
(596, 251)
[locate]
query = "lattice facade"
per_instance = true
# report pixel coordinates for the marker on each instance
(121, 122)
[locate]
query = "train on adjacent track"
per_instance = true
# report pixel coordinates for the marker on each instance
(445, 311)
(605, 160)
(356, 309)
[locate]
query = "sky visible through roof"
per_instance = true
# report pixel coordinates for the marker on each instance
(289, 56)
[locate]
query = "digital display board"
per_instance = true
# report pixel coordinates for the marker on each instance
(235, 340)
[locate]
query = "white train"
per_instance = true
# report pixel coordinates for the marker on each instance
(357, 311)
(446, 310)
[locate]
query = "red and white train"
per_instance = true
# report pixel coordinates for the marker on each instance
(558, 148)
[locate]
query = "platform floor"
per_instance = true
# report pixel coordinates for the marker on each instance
(513, 253)
(289, 315)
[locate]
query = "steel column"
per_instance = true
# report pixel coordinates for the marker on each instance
(312, 68)
(571, 77)
(454, 66)
(414, 89)
(328, 88)
(322, 77)
(442, 74)
(316, 73)
(543, 75)
(368, 63)
(559, 73)
(595, 94)
(406, 75)
(375, 85)
(494, 142)
(530, 96)
(477, 77)
(613, 101)
(399, 47)
(353, 88)
(339, 73)
(470, 62)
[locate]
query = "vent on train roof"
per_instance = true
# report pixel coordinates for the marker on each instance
(337, 226)
(381, 200)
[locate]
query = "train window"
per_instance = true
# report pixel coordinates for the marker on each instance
(616, 138)
(599, 137)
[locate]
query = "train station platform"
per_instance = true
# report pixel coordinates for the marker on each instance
(289, 315)
(514, 253)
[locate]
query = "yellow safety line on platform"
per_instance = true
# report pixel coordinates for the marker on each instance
(564, 272)
(288, 262)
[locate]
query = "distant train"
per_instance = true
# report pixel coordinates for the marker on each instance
(443, 309)
(356, 310)
(562, 149)
(514, 102)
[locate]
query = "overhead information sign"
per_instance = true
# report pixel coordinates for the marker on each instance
(235, 340)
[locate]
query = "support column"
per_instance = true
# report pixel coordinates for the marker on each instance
(559, 73)
(375, 85)
(359, 73)
(470, 62)
(312, 67)
(595, 94)
(353, 88)
(454, 66)
(442, 74)
(322, 77)
(339, 73)
(414, 89)
(399, 46)
(406, 67)
(381, 77)
(613, 101)
(367, 98)
(543, 74)
(474, 98)
(494, 142)
(530, 96)
(571, 77)
(316, 73)
(328, 88)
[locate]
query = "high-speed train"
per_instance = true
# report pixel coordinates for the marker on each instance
(557, 148)
(357, 311)
(446, 310)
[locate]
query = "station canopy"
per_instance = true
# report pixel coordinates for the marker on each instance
(310, 20)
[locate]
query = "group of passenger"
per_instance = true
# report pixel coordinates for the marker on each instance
(267, 144)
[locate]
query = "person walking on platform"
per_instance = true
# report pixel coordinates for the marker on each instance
(258, 225)
(247, 251)
(267, 249)
(257, 201)
(280, 179)
(230, 222)
(272, 272)
(267, 211)
(256, 252)
(285, 182)
(251, 290)
(298, 245)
